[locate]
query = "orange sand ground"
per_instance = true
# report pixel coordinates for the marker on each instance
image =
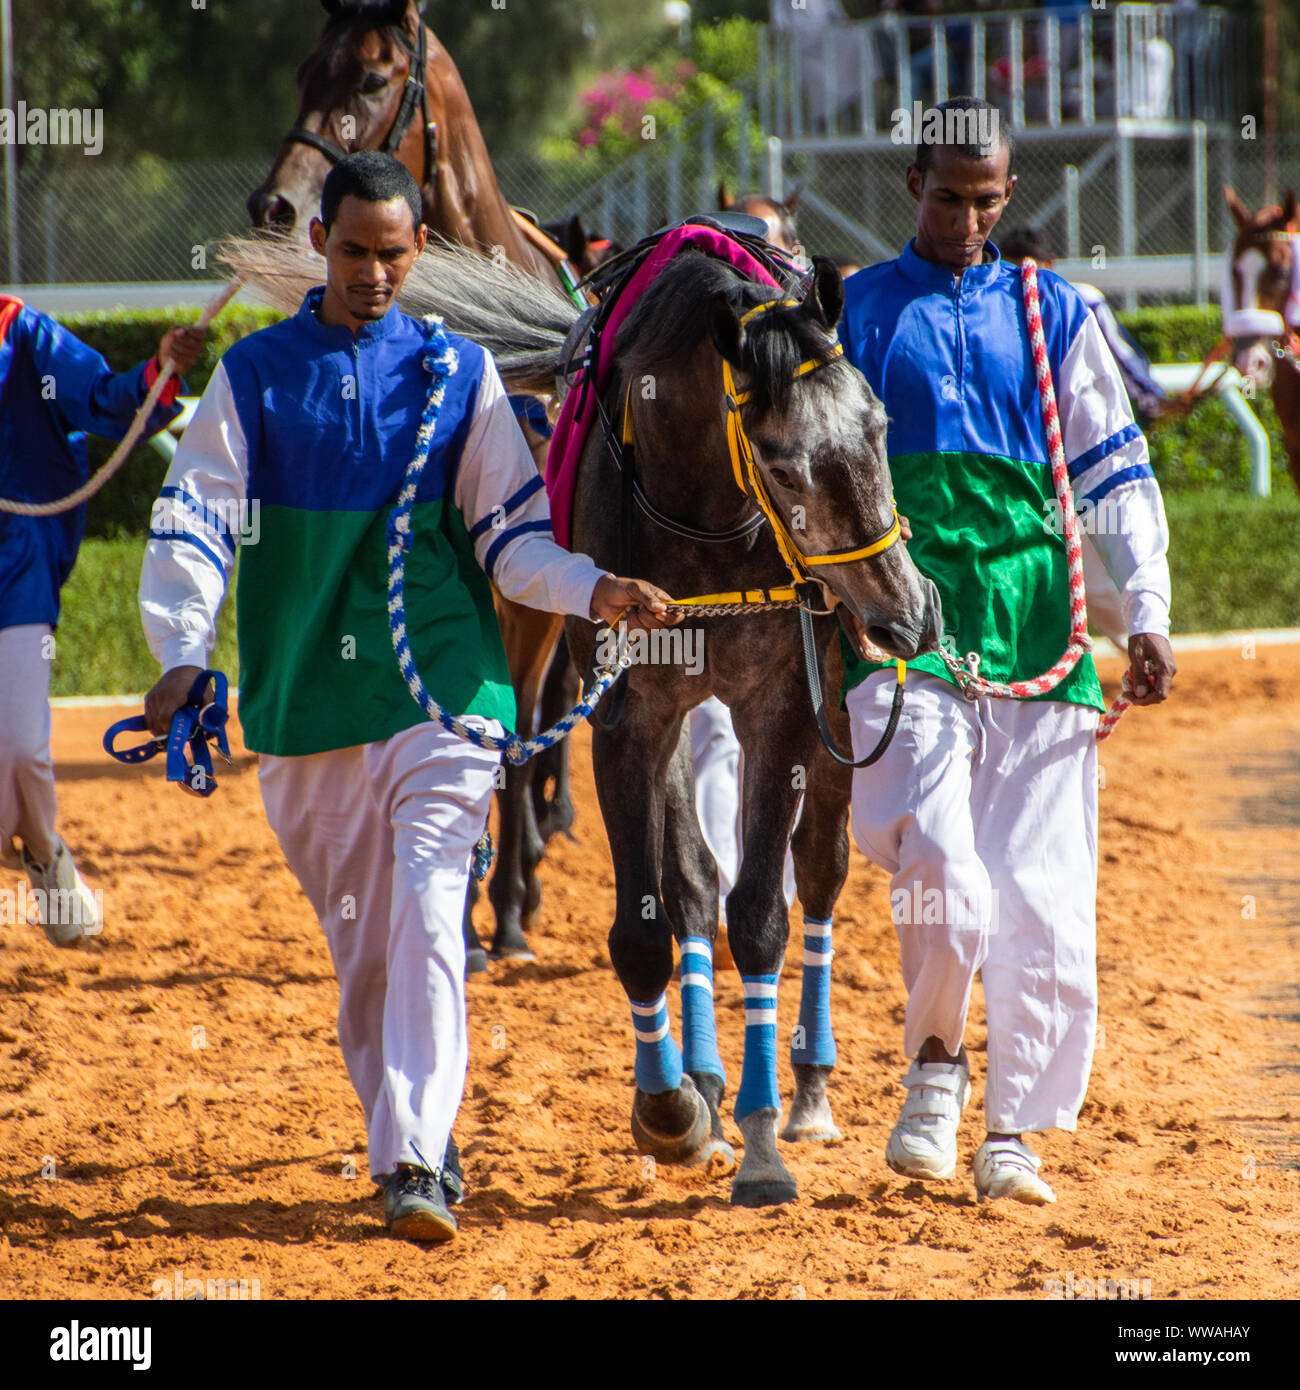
(183, 1072)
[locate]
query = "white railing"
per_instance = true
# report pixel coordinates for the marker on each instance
(1059, 69)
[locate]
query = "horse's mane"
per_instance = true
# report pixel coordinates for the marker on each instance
(341, 28)
(671, 317)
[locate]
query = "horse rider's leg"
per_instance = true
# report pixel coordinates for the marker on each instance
(773, 727)
(560, 692)
(670, 1119)
(821, 860)
(529, 637)
(690, 891)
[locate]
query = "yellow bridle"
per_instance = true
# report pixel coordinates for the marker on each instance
(744, 469)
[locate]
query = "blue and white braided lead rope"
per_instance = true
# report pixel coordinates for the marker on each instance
(441, 361)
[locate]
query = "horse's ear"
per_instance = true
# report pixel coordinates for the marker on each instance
(792, 201)
(725, 201)
(331, 7)
(1240, 212)
(1288, 207)
(725, 328)
(575, 240)
(825, 297)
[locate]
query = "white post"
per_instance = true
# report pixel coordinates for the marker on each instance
(1200, 217)
(1071, 212)
(775, 171)
(11, 150)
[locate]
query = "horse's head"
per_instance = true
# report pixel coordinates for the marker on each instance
(1261, 285)
(351, 91)
(818, 439)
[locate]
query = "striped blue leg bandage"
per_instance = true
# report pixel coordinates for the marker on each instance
(658, 1060)
(813, 1042)
(699, 1029)
(758, 1089)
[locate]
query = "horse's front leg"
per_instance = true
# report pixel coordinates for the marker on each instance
(670, 1118)
(773, 735)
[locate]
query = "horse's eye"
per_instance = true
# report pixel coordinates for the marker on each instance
(374, 82)
(782, 477)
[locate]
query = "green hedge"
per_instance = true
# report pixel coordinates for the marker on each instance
(1203, 450)
(1232, 561)
(128, 336)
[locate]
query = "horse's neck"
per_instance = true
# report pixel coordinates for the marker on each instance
(680, 437)
(473, 210)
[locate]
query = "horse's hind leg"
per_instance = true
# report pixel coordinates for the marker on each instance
(670, 1119)
(690, 892)
(821, 863)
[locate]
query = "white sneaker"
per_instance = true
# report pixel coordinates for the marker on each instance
(924, 1141)
(1006, 1168)
(66, 907)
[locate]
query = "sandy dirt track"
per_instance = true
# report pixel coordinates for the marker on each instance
(182, 1071)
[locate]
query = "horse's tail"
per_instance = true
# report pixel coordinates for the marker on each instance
(520, 320)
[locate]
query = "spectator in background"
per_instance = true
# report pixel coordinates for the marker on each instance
(54, 390)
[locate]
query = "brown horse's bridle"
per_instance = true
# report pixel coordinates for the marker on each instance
(414, 92)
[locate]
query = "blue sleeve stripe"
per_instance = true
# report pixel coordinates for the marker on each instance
(531, 410)
(195, 542)
(192, 504)
(532, 486)
(1125, 475)
(1103, 450)
(504, 539)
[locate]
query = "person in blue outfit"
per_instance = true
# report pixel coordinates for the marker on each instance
(54, 390)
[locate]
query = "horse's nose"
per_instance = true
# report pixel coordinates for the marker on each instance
(268, 208)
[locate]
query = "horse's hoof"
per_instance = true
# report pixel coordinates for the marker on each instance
(717, 1156)
(763, 1192)
(763, 1179)
(810, 1133)
(512, 953)
(476, 960)
(810, 1115)
(672, 1126)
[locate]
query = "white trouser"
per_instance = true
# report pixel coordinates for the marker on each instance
(27, 801)
(994, 805)
(379, 836)
(719, 763)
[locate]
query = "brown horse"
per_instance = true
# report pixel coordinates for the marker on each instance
(380, 79)
(779, 216)
(1261, 307)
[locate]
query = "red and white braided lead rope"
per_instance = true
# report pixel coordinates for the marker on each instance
(132, 437)
(967, 675)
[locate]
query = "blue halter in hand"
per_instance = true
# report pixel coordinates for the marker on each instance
(195, 724)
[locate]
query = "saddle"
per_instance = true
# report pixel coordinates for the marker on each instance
(588, 353)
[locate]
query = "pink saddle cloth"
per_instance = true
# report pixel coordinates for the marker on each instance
(571, 429)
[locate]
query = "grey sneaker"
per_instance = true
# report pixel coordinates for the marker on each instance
(65, 906)
(416, 1206)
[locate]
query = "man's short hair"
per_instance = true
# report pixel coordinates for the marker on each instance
(374, 178)
(1018, 242)
(967, 143)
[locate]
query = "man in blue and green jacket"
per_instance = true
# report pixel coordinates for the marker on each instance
(984, 812)
(313, 423)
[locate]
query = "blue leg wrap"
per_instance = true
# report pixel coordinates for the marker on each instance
(758, 1090)
(658, 1060)
(813, 1041)
(699, 1029)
